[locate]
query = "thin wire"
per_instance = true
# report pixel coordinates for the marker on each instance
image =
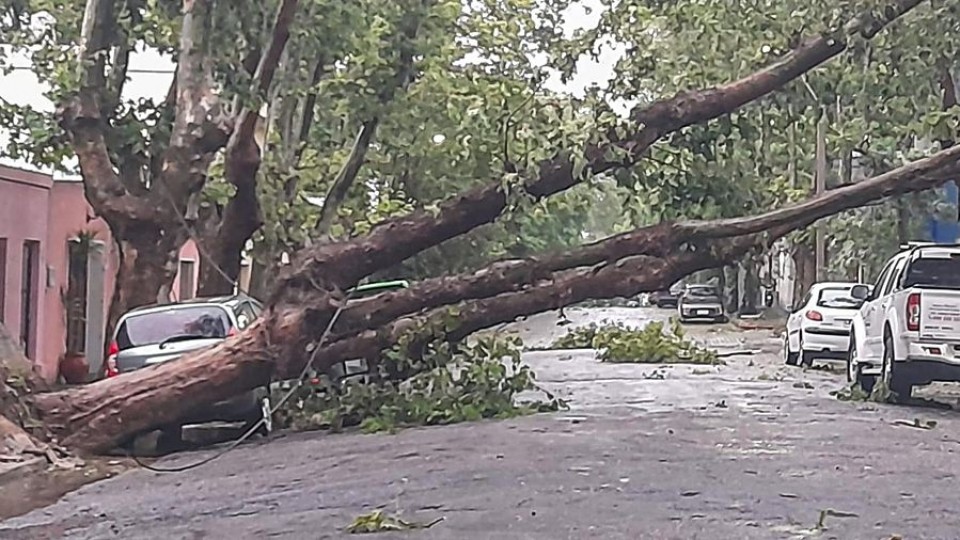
(253, 429)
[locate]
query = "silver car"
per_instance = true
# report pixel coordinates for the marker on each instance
(701, 302)
(155, 334)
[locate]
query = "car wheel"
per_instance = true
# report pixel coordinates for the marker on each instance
(790, 357)
(806, 357)
(171, 439)
(851, 355)
(897, 384)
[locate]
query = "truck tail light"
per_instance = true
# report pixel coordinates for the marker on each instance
(913, 312)
(110, 366)
(814, 315)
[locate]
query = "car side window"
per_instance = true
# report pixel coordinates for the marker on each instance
(892, 276)
(896, 276)
(877, 287)
(245, 315)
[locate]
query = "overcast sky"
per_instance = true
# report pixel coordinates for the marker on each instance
(150, 74)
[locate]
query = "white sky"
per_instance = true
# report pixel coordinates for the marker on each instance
(150, 74)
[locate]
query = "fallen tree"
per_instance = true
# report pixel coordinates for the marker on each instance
(97, 417)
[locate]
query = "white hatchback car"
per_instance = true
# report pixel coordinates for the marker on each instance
(819, 326)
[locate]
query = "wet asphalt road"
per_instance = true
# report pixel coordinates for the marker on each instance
(750, 450)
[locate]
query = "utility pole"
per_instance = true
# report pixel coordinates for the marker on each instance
(820, 185)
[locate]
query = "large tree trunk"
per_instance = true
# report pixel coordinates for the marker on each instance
(750, 292)
(226, 236)
(148, 266)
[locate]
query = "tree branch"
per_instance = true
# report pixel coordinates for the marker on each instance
(658, 241)
(200, 128)
(343, 264)
(348, 173)
(266, 69)
(344, 180)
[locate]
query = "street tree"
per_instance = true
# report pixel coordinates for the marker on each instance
(589, 143)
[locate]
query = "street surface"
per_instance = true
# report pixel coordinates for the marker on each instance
(749, 450)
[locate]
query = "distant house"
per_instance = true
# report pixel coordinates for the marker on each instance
(58, 263)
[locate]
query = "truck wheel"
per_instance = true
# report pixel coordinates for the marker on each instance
(866, 382)
(896, 383)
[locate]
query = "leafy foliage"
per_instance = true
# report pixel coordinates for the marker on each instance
(461, 383)
(655, 343)
(377, 521)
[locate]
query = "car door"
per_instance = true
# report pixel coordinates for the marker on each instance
(874, 310)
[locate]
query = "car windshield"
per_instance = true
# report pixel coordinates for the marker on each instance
(837, 297)
(941, 272)
(154, 327)
(702, 292)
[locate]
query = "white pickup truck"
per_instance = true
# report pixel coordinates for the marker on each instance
(907, 332)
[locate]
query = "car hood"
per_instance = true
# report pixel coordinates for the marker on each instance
(146, 355)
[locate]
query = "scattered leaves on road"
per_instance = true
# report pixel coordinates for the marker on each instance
(377, 521)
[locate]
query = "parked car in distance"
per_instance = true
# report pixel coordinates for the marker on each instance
(907, 331)
(161, 333)
(701, 302)
(819, 325)
(667, 298)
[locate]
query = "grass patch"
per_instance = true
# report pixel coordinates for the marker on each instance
(656, 343)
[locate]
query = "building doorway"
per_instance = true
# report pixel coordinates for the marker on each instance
(29, 285)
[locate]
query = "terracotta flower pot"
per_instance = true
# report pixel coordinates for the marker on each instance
(74, 368)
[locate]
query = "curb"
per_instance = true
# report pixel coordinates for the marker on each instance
(23, 469)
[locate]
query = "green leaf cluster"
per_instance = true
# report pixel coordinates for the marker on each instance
(655, 343)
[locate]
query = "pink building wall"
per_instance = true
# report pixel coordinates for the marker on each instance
(34, 207)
